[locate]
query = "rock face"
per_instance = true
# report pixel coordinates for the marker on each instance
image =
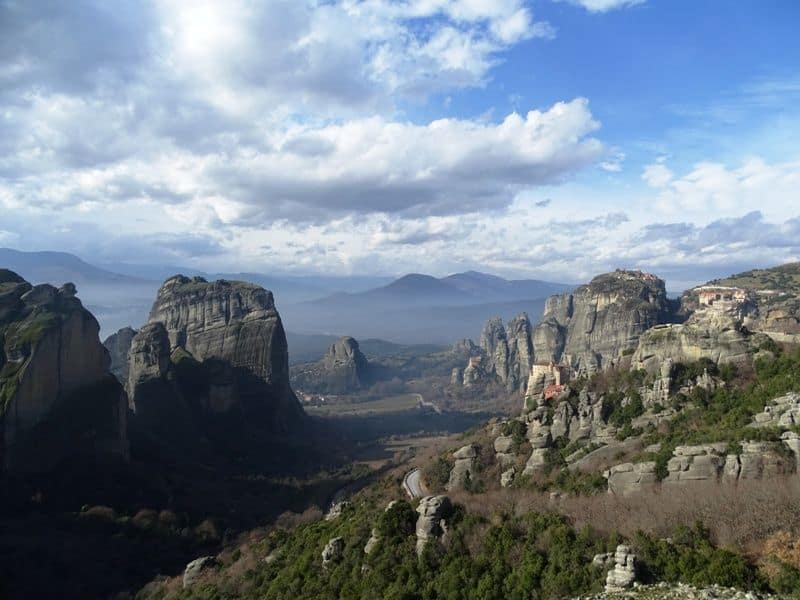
(58, 398)
(599, 322)
(433, 512)
(118, 346)
(235, 330)
(623, 574)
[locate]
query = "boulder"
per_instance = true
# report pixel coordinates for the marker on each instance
(333, 551)
(464, 468)
(507, 477)
(623, 575)
(432, 522)
(195, 568)
(503, 444)
(630, 478)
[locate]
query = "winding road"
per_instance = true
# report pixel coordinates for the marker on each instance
(411, 484)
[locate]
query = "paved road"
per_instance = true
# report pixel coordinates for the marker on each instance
(425, 404)
(411, 484)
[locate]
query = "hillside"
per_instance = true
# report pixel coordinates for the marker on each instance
(784, 278)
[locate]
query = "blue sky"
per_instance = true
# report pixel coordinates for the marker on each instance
(544, 138)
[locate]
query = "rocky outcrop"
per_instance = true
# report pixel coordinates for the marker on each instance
(711, 463)
(193, 571)
(333, 551)
(58, 398)
(507, 477)
(118, 346)
(234, 330)
(432, 522)
(594, 326)
(623, 574)
(507, 353)
(464, 468)
(631, 478)
(782, 412)
(707, 334)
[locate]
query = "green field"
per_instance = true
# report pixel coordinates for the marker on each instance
(389, 404)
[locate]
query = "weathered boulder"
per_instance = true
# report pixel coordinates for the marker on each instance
(623, 574)
(58, 398)
(630, 478)
(503, 444)
(333, 551)
(432, 522)
(118, 346)
(507, 477)
(464, 468)
(195, 568)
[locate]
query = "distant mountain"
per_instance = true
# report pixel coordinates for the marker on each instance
(490, 287)
(461, 289)
(58, 268)
(417, 308)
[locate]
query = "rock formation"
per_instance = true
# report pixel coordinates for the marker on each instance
(333, 551)
(58, 398)
(432, 522)
(345, 367)
(706, 334)
(505, 354)
(596, 324)
(463, 469)
(704, 463)
(118, 346)
(194, 569)
(234, 332)
(623, 574)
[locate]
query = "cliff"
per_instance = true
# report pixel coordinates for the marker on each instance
(57, 396)
(233, 333)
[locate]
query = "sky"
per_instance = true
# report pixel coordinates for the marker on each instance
(553, 139)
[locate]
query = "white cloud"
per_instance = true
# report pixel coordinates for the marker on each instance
(657, 175)
(600, 6)
(308, 172)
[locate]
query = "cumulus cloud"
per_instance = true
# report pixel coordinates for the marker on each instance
(657, 175)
